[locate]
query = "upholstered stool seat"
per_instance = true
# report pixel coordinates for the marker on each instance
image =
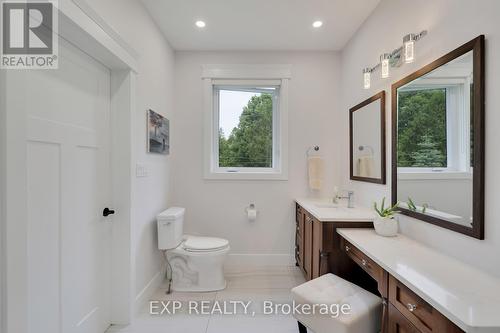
(363, 315)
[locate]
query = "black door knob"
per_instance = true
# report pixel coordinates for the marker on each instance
(107, 212)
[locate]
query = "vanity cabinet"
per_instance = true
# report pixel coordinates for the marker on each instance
(403, 310)
(317, 247)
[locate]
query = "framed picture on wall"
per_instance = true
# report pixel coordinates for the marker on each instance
(158, 133)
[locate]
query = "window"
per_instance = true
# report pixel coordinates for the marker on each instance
(434, 129)
(246, 121)
(246, 125)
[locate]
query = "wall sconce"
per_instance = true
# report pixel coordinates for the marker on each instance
(405, 53)
(409, 47)
(367, 73)
(384, 65)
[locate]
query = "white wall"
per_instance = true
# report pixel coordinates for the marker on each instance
(217, 207)
(450, 23)
(155, 91)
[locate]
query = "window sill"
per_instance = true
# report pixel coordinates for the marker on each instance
(224, 175)
(434, 175)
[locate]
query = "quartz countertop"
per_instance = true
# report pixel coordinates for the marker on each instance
(466, 295)
(324, 211)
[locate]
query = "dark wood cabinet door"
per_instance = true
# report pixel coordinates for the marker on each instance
(317, 247)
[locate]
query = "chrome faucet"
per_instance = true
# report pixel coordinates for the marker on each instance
(350, 199)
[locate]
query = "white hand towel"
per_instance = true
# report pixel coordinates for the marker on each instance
(366, 166)
(316, 168)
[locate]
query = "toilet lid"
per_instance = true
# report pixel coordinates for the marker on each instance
(193, 243)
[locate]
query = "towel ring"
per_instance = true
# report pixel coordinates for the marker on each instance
(363, 147)
(315, 148)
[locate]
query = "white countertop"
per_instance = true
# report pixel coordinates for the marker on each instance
(320, 210)
(465, 295)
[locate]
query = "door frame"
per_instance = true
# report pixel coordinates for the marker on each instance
(83, 27)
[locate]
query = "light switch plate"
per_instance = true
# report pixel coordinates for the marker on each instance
(141, 170)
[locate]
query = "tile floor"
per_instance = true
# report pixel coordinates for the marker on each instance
(257, 286)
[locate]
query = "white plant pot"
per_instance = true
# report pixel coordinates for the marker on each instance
(386, 226)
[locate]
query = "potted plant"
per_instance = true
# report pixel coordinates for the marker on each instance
(385, 224)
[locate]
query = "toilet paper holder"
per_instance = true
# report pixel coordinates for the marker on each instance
(251, 212)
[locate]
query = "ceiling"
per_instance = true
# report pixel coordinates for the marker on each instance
(259, 24)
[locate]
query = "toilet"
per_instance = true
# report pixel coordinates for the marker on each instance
(197, 262)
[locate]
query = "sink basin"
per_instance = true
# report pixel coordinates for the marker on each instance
(326, 205)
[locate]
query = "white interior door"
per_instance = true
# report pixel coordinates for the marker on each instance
(67, 114)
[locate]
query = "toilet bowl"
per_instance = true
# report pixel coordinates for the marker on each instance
(197, 263)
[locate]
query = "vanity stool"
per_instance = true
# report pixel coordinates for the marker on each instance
(365, 308)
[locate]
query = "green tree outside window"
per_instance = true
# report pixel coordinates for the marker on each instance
(422, 128)
(250, 145)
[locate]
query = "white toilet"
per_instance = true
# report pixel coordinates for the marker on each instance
(197, 262)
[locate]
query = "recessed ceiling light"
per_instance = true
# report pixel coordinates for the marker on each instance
(317, 24)
(200, 24)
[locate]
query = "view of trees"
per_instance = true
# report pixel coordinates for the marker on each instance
(251, 143)
(422, 128)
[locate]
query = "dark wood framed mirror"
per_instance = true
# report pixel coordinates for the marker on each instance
(367, 140)
(438, 141)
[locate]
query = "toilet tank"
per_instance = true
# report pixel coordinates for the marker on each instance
(170, 228)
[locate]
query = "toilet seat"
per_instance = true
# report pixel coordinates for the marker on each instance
(204, 244)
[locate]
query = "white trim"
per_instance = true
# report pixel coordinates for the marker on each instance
(247, 72)
(122, 118)
(147, 292)
(433, 175)
(90, 12)
(84, 31)
(280, 132)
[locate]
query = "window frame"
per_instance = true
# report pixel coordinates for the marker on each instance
(246, 76)
(458, 163)
(276, 161)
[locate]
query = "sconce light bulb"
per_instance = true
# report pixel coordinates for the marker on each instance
(384, 65)
(366, 78)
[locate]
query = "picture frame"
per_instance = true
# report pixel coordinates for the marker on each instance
(158, 132)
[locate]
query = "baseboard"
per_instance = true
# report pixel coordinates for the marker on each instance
(147, 292)
(237, 261)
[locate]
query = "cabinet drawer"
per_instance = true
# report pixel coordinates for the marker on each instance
(364, 262)
(420, 313)
(398, 323)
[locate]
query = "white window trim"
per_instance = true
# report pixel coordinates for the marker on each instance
(246, 75)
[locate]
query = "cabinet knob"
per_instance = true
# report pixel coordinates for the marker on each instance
(347, 248)
(411, 307)
(363, 262)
